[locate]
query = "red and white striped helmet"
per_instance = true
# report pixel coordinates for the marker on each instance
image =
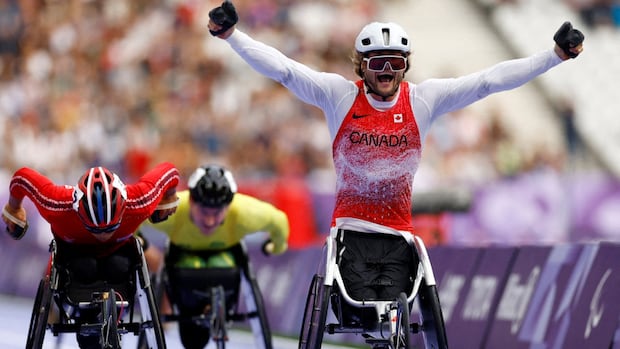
(99, 199)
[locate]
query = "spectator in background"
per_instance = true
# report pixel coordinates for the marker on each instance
(594, 13)
(95, 60)
(11, 31)
(571, 134)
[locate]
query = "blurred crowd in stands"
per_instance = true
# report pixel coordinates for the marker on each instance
(127, 83)
(594, 13)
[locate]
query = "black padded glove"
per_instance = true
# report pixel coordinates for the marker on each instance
(566, 37)
(18, 232)
(19, 227)
(157, 217)
(224, 16)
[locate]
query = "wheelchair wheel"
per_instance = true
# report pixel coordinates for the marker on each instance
(152, 334)
(400, 339)
(258, 317)
(110, 337)
(218, 323)
(40, 312)
(315, 315)
(433, 327)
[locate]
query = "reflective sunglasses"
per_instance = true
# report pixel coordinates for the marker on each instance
(105, 230)
(378, 63)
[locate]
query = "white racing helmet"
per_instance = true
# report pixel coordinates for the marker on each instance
(377, 36)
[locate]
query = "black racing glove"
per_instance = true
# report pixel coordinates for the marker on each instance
(224, 16)
(566, 37)
(19, 227)
(18, 232)
(157, 217)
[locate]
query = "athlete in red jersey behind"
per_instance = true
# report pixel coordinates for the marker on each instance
(93, 222)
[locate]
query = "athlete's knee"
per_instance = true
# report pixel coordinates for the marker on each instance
(193, 336)
(83, 269)
(117, 269)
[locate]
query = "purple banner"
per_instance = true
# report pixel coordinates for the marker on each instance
(516, 297)
(541, 317)
(587, 312)
(284, 281)
(453, 268)
(596, 203)
(25, 264)
(541, 207)
(471, 319)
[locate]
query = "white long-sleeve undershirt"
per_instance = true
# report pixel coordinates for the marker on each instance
(334, 94)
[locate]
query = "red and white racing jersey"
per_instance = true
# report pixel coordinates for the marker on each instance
(376, 154)
(55, 204)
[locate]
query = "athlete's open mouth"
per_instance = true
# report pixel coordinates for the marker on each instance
(385, 77)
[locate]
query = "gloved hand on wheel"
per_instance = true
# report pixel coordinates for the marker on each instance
(15, 220)
(224, 16)
(167, 206)
(569, 40)
(268, 247)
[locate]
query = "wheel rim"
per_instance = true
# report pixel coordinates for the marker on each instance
(400, 339)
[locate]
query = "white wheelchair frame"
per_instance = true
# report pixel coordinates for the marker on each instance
(387, 325)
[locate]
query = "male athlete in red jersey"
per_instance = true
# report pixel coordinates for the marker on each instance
(93, 222)
(100, 213)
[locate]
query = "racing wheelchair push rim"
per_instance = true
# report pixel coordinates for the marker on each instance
(400, 336)
(315, 314)
(433, 327)
(257, 315)
(110, 337)
(40, 312)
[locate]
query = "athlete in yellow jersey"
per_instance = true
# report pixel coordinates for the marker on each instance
(210, 221)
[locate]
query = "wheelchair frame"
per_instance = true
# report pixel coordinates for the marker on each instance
(219, 318)
(393, 327)
(113, 324)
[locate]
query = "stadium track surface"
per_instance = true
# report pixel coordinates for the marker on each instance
(15, 317)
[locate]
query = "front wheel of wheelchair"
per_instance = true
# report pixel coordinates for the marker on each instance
(258, 317)
(218, 320)
(110, 337)
(433, 326)
(400, 339)
(315, 314)
(40, 312)
(152, 332)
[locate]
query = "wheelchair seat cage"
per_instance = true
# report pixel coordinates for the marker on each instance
(218, 290)
(108, 303)
(391, 326)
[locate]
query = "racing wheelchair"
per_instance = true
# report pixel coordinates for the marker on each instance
(213, 298)
(110, 306)
(383, 323)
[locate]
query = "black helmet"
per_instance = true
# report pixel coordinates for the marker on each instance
(212, 186)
